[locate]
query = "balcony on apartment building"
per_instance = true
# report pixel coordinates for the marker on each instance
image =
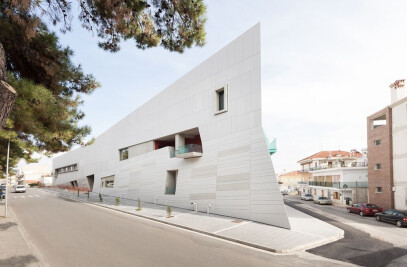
(338, 166)
(339, 185)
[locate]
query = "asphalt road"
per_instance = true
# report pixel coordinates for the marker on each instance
(357, 246)
(69, 233)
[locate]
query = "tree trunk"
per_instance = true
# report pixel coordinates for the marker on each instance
(7, 93)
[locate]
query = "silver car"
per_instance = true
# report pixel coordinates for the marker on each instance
(306, 197)
(322, 200)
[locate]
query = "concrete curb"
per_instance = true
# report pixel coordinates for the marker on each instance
(284, 251)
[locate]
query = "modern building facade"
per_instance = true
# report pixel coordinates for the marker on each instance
(387, 145)
(198, 142)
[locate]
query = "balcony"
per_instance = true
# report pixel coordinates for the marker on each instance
(352, 165)
(339, 185)
(189, 151)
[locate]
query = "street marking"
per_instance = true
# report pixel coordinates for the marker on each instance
(22, 197)
(30, 196)
(240, 224)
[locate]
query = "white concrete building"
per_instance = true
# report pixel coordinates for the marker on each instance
(32, 173)
(339, 183)
(399, 136)
(337, 174)
(198, 141)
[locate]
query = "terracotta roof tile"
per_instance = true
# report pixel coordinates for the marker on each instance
(333, 153)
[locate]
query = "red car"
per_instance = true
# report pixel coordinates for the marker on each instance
(364, 209)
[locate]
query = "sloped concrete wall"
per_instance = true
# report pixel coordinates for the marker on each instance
(235, 175)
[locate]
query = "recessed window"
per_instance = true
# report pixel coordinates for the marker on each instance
(171, 182)
(124, 153)
(377, 142)
(378, 166)
(378, 122)
(378, 190)
(107, 182)
(221, 100)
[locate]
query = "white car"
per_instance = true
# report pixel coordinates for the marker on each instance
(20, 189)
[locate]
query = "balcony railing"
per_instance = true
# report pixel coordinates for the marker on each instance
(339, 185)
(189, 148)
(351, 165)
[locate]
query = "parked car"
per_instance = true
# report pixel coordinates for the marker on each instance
(284, 192)
(306, 197)
(3, 187)
(322, 200)
(398, 217)
(20, 189)
(2, 195)
(364, 209)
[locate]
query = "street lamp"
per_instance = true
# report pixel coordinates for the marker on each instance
(8, 155)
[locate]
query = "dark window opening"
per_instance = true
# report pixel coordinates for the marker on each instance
(171, 183)
(124, 153)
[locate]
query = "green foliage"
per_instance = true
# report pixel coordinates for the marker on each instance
(175, 25)
(169, 211)
(117, 201)
(100, 197)
(45, 118)
(138, 204)
(33, 184)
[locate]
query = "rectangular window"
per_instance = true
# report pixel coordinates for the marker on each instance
(377, 142)
(171, 182)
(378, 166)
(124, 153)
(378, 122)
(221, 100)
(107, 182)
(378, 189)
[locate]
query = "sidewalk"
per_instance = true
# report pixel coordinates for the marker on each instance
(15, 249)
(306, 232)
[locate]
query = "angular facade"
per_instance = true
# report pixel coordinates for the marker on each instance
(197, 144)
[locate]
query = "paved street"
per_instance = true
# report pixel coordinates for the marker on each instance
(358, 247)
(69, 233)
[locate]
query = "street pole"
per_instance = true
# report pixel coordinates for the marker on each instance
(8, 154)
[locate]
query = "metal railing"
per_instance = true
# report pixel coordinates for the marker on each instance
(339, 185)
(351, 165)
(189, 148)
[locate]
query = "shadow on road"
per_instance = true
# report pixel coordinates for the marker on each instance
(356, 247)
(25, 260)
(5, 226)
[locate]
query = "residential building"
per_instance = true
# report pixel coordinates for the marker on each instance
(32, 173)
(292, 181)
(387, 146)
(197, 144)
(329, 159)
(340, 175)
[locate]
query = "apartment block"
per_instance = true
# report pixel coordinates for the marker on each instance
(387, 150)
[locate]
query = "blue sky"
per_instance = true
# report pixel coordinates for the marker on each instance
(326, 66)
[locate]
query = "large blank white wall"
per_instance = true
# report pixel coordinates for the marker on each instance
(235, 174)
(399, 124)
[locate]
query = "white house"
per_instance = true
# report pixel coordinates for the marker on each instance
(338, 175)
(198, 142)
